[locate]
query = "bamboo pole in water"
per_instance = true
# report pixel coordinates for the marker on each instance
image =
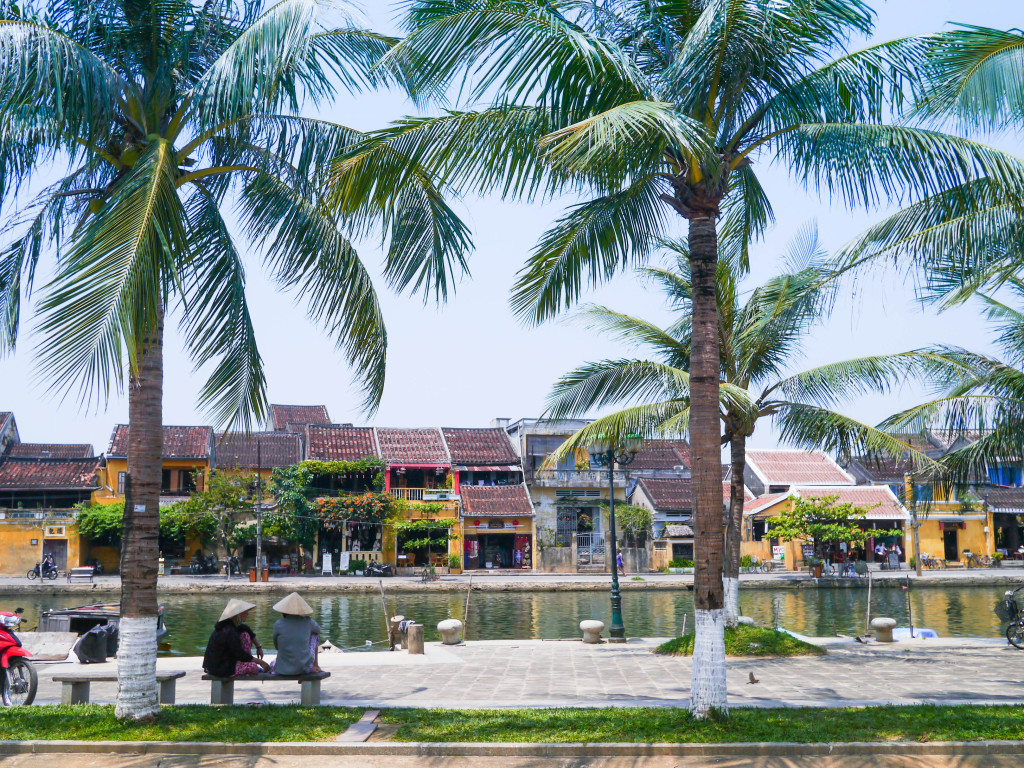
(384, 602)
(867, 616)
(465, 612)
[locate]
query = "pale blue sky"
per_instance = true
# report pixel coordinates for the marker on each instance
(470, 360)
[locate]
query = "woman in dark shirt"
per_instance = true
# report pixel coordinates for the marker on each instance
(228, 652)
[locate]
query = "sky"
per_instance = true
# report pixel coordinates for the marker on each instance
(470, 360)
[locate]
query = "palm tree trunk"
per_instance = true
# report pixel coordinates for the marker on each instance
(136, 654)
(731, 577)
(708, 690)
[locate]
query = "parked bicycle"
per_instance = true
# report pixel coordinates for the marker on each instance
(1008, 609)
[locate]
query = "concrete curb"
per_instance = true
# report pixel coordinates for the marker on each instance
(467, 749)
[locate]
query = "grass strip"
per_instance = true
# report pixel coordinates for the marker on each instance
(645, 725)
(745, 640)
(200, 722)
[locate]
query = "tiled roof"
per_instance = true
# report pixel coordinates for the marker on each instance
(334, 442)
(300, 415)
(49, 474)
(678, 531)
(4, 416)
(885, 506)
(668, 493)
(495, 501)
(51, 451)
(752, 506)
(179, 442)
(883, 469)
(788, 467)
(479, 446)
(662, 454)
(1003, 499)
(412, 446)
(727, 493)
(946, 439)
(259, 450)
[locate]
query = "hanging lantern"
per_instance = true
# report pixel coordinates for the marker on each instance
(476, 522)
(515, 522)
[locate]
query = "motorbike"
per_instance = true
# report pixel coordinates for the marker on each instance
(379, 569)
(1009, 610)
(232, 566)
(18, 679)
(45, 570)
(202, 564)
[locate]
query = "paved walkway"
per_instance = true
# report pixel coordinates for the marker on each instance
(522, 581)
(563, 673)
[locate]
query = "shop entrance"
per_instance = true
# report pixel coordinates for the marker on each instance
(950, 550)
(59, 549)
(499, 550)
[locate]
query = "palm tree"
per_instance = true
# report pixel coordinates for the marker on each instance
(648, 110)
(761, 335)
(163, 112)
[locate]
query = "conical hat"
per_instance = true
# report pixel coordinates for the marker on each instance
(234, 608)
(295, 605)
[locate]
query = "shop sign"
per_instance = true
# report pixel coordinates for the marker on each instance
(778, 552)
(54, 531)
(495, 523)
(807, 551)
(510, 525)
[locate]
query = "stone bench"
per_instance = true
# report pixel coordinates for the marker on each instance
(84, 573)
(222, 689)
(75, 685)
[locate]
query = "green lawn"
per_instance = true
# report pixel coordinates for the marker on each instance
(744, 640)
(288, 723)
(96, 722)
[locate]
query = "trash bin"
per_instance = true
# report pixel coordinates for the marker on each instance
(252, 574)
(266, 574)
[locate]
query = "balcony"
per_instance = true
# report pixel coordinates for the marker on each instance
(29, 515)
(575, 478)
(425, 494)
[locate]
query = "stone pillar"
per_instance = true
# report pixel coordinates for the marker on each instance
(415, 639)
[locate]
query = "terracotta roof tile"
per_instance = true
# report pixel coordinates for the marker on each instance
(495, 501)
(677, 531)
(479, 446)
(179, 442)
(668, 493)
(51, 451)
(885, 506)
(882, 469)
(783, 467)
(259, 450)
(334, 442)
(751, 506)
(1003, 499)
(51, 474)
(299, 415)
(662, 454)
(412, 446)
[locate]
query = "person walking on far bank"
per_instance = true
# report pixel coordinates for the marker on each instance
(619, 565)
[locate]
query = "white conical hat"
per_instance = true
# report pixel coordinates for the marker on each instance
(295, 605)
(235, 607)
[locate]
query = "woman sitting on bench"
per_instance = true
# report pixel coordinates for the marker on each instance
(296, 637)
(229, 652)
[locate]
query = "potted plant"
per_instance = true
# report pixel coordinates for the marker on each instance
(814, 563)
(679, 565)
(454, 563)
(997, 560)
(747, 564)
(357, 566)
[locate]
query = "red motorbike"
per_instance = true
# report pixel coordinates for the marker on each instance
(18, 679)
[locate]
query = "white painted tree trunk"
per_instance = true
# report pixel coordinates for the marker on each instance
(136, 669)
(708, 690)
(731, 588)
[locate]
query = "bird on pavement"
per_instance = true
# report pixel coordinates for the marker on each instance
(753, 680)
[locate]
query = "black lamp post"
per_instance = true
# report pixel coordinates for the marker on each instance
(609, 457)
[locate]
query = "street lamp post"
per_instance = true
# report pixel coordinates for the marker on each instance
(609, 458)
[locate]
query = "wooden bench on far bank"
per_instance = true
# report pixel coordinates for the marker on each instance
(222, 689)
(84, 573)
(75, 685)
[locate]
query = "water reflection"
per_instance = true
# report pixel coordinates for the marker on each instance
(349, 620)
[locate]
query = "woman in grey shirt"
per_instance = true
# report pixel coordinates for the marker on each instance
(296, 637)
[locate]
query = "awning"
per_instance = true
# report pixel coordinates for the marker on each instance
(489, 468)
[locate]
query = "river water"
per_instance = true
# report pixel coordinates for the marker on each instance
(350, 619)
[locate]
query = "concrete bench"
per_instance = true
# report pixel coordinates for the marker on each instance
(222, 689)
(75, 686)
(85, 573)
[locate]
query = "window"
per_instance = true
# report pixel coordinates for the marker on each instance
(121, 482)
(682, 551)
(758, 530)
(186, 481)
(778, 488)
(166, 480)
(1005, 475)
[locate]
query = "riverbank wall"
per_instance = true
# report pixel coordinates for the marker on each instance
(102, 589)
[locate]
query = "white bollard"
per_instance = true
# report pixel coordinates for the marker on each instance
(592, 630)
(883, 629)
(451, 631)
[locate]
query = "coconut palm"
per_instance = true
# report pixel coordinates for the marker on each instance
(762, 335)
(155, 115)
(647, 110)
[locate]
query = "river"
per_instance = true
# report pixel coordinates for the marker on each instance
(350, 619)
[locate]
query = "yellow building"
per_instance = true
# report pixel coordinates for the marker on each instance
(884, 512)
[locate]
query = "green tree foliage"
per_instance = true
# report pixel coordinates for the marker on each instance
(215, 515)
(424, 534)
(101, 523)
(824, 522)
(635, 522)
